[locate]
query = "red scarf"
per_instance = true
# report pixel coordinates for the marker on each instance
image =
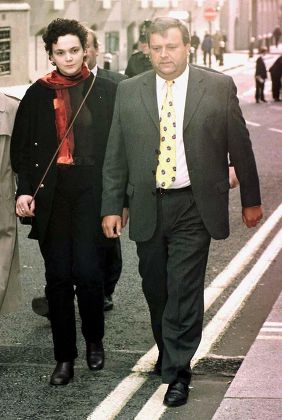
(62, 107)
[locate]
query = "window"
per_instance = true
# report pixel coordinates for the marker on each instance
(5, 45)
(112, 42)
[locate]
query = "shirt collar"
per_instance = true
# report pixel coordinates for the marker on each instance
(94, 70)
(179, 81)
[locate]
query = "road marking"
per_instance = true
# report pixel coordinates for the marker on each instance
(117, 399)
(154, 408)
(271, 329)
(269, 337)
(240, 261)
(253, 123)
(272, 324)
(276, 130)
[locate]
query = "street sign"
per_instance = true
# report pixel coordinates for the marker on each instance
(209, 14)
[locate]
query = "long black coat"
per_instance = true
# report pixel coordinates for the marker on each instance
(34, 141)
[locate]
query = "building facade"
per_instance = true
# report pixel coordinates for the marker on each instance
(117, 24)
(14, 43)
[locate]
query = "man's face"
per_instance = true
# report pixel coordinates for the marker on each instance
(168, 53)
(91, 52)
(144, 47)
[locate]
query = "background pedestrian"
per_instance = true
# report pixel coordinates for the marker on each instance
(10, 286)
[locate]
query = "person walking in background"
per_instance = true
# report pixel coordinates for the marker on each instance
(10, 286)
(207, 48)
(66, 210)
(216, 38)
(276, 75)
(277, 35)
(195, 42)
(260, 76)
(139, 61)
(110, 256)
(178, 186)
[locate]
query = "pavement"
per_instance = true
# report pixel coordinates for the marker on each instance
(256, 391)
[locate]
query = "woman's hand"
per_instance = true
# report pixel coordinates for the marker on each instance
(25, 206)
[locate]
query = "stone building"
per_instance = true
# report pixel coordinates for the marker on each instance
(14, 43)
(117, 24)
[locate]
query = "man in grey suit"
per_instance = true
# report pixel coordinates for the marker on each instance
(173, 221)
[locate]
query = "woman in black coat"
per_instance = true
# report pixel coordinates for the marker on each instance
(66, 211)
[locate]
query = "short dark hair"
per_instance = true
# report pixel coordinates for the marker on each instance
(60, 27)
(94, 37)
(161, 24)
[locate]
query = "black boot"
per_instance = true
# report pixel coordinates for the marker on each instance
(62, 374)
(95, 355)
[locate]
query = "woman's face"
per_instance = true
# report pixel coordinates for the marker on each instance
(68, 54)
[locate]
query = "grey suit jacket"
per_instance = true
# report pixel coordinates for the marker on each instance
(213, 127)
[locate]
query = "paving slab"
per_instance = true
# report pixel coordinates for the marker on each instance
(256, 391)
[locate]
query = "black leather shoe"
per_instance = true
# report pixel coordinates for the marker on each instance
(95, 355)
(176, 394)
(108, 303)
(62, 374)
(40, 306)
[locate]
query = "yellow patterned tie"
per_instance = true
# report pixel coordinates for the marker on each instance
(166, 170)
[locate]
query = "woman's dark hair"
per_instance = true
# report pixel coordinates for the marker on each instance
(60, 27)
(161, 24)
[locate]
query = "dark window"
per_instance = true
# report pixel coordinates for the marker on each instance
(5, 51)
(112, 42)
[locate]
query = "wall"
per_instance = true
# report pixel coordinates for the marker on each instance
(16, 16)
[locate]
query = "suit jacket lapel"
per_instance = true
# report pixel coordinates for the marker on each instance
(194, 95)
(149, 96)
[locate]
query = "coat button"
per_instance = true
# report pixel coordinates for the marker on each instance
(35, 144)
(36, 165)
(41, 185)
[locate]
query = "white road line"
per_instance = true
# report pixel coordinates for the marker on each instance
(253, 123)
(118, 398)
(239, 262)
(276, 130)
(271, 329)
(269, 337)
(154, 408)
(272, 324)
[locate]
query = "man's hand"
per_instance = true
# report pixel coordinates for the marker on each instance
(251, 216)
(112, 226)
(233, 180)
(25, 206)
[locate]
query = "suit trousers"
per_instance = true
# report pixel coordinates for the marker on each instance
(259, 95)
(111, 265)
(172, 265)
(72, 268)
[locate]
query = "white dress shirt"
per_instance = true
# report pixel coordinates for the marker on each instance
(179, 90)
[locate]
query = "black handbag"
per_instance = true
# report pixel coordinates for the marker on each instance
(28, 220)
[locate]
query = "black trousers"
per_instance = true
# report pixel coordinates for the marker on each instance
(276, 87)
(72, 268)
(172, 265)
(259, 95)
(111, 265)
